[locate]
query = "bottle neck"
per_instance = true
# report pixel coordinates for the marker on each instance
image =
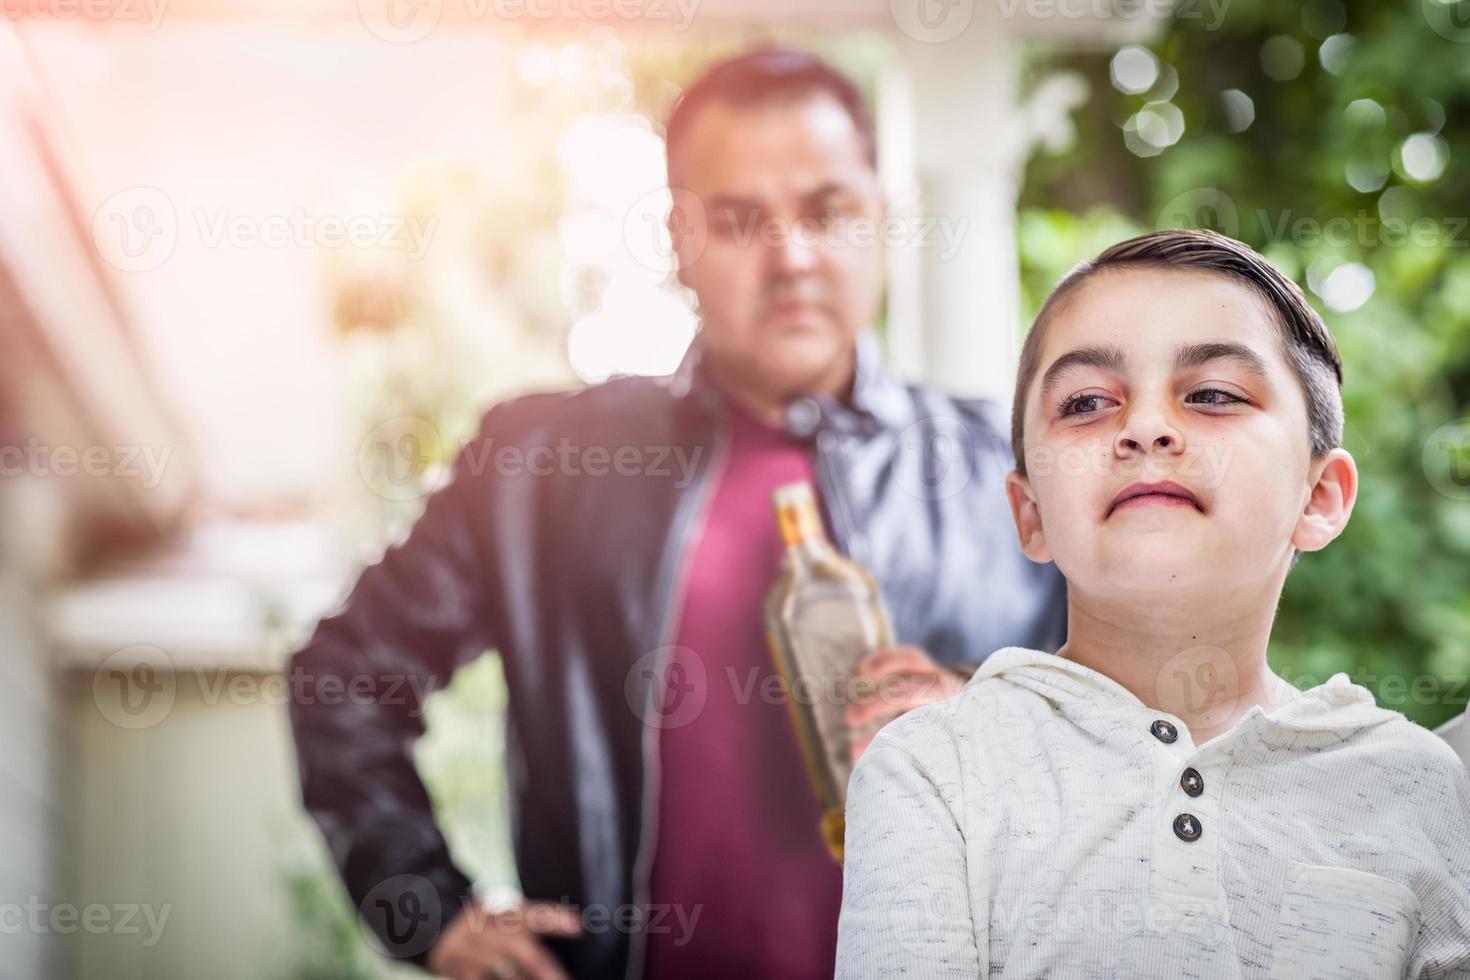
(801, 527)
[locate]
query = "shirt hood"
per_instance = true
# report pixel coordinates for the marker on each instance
(1336, 705)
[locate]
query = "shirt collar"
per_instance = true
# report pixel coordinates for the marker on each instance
(1336, 705)
(878, 399)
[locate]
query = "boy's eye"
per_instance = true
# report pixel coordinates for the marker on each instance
(1229, 398)
(1067, 407)
(1078, 404)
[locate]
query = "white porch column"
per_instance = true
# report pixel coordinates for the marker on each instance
(969, 144)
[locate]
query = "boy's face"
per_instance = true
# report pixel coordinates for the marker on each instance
(1231, 430)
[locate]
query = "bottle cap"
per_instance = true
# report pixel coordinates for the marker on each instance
(789, 494)
(796, 513)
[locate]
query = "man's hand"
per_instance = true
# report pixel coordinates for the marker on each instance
(888, 683)
(499, 942)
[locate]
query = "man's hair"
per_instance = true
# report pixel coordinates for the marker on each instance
(1303, 339)
(770, 75)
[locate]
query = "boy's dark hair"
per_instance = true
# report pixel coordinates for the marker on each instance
(1304, 340)
(769, 75)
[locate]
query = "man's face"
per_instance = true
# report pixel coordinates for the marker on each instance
(1236, 437)
(776, 218)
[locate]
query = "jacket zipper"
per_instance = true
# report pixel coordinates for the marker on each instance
(849, 539)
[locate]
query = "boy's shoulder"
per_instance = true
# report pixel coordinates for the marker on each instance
(1408, 739)
(987, 707)
(1350, 712)
(996, 709)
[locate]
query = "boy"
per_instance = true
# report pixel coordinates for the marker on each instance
(1153, 801)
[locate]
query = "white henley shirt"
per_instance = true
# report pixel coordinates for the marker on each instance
(1046, 823)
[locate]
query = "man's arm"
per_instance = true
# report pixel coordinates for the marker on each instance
(893, 681)
(1456, 732)
(357, 692)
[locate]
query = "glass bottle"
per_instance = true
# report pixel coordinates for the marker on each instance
(824, 614)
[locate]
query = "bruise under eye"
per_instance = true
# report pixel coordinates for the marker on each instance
(1227, 397)
(1065, 406)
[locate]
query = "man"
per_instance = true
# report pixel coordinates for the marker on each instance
(649, 770)
(1457, 733)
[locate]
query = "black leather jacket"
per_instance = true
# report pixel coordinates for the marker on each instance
(570, 569)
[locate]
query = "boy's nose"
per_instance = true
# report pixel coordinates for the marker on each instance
(1163, 439)
(1147, 430)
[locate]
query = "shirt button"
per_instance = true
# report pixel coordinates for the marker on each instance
(1163, 731)
(1192, 781)
(803, 417)
(1187, 828)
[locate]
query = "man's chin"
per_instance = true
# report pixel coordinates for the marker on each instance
(799, 355)
(810, 328)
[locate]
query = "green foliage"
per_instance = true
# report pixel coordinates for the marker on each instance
(1389, 601)
(461, 759)
(328, 942)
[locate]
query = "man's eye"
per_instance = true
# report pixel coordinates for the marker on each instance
(728, 223)
(834, 214)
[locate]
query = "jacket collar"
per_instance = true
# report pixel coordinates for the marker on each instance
(878, 400)
(1339, 705)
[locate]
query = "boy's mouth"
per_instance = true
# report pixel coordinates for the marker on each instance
(1166, 494)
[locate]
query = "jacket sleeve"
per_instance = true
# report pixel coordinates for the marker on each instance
(906, 899)
(1456, 732)
(356, 707)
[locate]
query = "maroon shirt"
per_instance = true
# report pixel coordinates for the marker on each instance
(738, 838)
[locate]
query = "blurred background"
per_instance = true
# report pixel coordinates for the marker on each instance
(264, 263)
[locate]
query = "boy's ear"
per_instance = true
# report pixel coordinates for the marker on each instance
(1027, 517)
(1333, 480)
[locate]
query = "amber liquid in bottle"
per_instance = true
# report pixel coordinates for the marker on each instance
(824, 614)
